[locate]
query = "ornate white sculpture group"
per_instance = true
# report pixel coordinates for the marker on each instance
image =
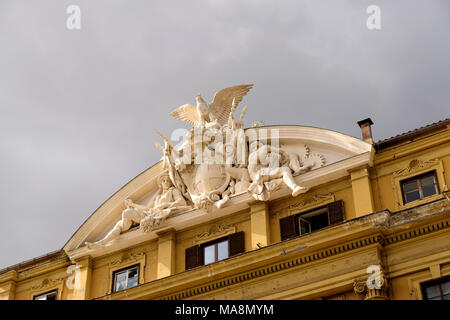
(218, 159)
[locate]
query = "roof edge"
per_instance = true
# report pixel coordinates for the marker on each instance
(33, 261)
(412, 134)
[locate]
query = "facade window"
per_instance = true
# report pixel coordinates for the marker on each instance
(126, 278)
(419, 187)
(307, 222)
(312, 221)
(214, 251)
(51, 295)
(437, 289)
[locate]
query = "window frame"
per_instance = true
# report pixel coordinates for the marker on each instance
(194, 256)
(311, 213)
(55, 291)
(410, 168)
(215, 242)
(432, 283)
(290, 226)
(419, 178)
(128, 268)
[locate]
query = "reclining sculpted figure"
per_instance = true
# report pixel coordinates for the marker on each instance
(167, 200)
(268, 167)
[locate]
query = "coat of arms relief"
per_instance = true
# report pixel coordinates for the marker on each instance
(217, 160)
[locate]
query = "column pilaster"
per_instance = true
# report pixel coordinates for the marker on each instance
(166, 253)
(362, 192)
(260, 227)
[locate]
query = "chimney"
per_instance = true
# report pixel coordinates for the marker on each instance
(366, 130)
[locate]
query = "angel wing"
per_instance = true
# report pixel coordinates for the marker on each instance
(187, 112)
(221, 105)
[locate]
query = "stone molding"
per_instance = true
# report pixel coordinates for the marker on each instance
(417, 232)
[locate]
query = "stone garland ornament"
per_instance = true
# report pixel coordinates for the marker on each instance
(216, 160)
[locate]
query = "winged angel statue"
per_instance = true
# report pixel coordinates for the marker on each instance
(217, 159)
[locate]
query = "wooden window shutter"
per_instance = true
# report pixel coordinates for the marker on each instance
(194, 257)
(289, 227)
(335, 212)
(236, 243)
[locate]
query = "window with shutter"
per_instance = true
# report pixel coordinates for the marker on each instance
(236, 243)
(289, 227)
(193, 257)
(310, 221)
(335, 212)
(216, 250)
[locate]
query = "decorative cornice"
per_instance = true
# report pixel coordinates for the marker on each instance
(417, 232)
(11, 275)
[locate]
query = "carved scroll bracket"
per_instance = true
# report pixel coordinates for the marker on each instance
(376, 290)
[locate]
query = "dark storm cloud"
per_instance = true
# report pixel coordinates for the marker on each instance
(78, 108)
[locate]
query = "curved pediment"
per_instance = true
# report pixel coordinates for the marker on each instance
(339, 151)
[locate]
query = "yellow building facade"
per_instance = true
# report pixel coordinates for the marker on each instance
(374, 224)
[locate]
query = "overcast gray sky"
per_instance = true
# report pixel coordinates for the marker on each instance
(78, 108)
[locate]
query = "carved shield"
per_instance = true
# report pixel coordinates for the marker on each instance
(204, 179)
